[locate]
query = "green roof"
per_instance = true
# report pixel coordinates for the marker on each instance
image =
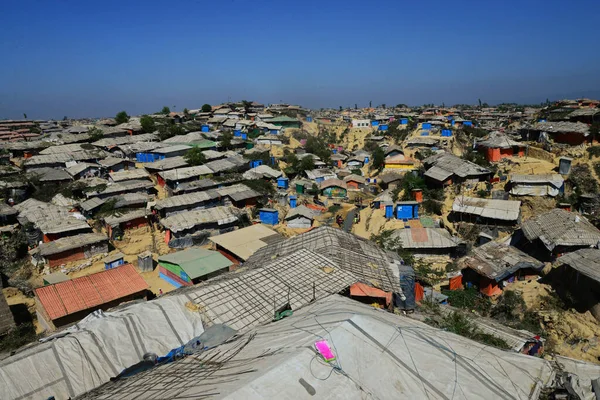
(197, 262)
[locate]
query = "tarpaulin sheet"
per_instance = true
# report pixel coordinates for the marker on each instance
(360, 289)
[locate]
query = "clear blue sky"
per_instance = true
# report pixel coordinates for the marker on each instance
(95, 58)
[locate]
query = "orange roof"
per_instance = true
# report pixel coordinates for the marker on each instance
(362, 289)
(86, 292)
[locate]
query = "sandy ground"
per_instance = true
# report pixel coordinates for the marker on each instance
(570, 333)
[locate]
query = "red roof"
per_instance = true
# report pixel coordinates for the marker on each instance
(90, 291)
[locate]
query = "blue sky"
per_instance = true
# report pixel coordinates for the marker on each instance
(95, 58)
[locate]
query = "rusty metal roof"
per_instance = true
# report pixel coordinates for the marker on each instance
(86, 292)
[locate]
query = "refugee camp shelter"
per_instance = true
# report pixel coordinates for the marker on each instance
(536, 185)
(68, 249)
(573, 133)
(354, 181)
(445, 169)
(557, 231)
(358, 256)
(334, 188)
(265, 368)
(300, 217)
(428, 241)
(493, 263)
(117, 225)
(486, 211)
(240, 244)
(208, 222)
(190, 266)
(498, 146)
(55, 277)
(66, 302)
(579, 273)
(187, 202)
(269, 216)
(145, 262)
(406, 210)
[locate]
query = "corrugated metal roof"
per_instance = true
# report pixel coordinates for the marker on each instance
(333, 182)
(190, 219)
(65, 148)
(128, 175)
(64, 157)
(586, 261)
(69, 243)
(185, 200)
(115, 220)
(455, 165)
(90, 291)
(561, 228)
(497, 261)
(506, 210)
(426, 238)
(238, 192)
(185, 173)
(172, 149)
(166, 164)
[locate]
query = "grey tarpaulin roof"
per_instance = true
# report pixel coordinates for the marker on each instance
(426, 238)
(244, 242)
(262, 171)
(115, 220)
(562, 127)
(48, 217)
(561, 228)
(166, 164)
(586, 261)
(125, 186)
(455, 165)
(364, 259)
(6, 210)
(555, 180)
(69, 243)
(499, 140)
(184, 200)
(237, 192)
(50, 174)
(64, 148)
(301, 211)
(172, 149)
(439, 174)
(185, 173)
(129, 175)
(225, 164)
(381, 356)
(191, 219)
(112, 161)
(64, 157)
(80, 167)
(497, 261)
(506, 210)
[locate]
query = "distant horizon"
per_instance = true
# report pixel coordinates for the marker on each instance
(72, 59)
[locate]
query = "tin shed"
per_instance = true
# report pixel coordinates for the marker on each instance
(268, 216)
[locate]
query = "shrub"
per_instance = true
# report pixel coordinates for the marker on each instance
(469, 299)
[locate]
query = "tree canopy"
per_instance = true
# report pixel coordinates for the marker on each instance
(194, 157)
(165, 110)
(226, 140)
(378, 158)
(121, 117)
(147, 124)
(206, 108)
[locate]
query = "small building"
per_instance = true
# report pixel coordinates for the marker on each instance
(335, 188)
(556, 232)
(68, 249)
(51, 175)
(564, 165)
(268, 216)
(493, 263)
(446, 168)
(393, 151)
(83, 170)
(579, 274)
(320, 175)
(166, 164)
(208, 222)
(300, 217)
(284, 121)
(238, 195)
(188, 267)
(572, 133)
(262, 172)
(8, 218)
(117, 225)
(407, 210)
(145, 261)
(390, 180)
(114, 260)
(283, 182)
(429, 241)
(536, 185)
(361, 123)
(173, 178)
(170, 151)
(486, 211)
(129, 175)
(187, 202)
(354, 181)
(498, 146)
(67, 302)
(114, 164)
(240, 244)
(399, 162)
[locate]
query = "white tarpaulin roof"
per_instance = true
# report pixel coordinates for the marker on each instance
(379, 355)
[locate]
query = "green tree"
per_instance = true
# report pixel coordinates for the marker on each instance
(95, 134)
(306, 164)
(378, 158)
(121, 117)
(194, 156)
(206, 108)
(246, 104)
(148, 125)
(186, 111)
(340, 108)
(24, 115)
(226, 139)
(165, 110)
